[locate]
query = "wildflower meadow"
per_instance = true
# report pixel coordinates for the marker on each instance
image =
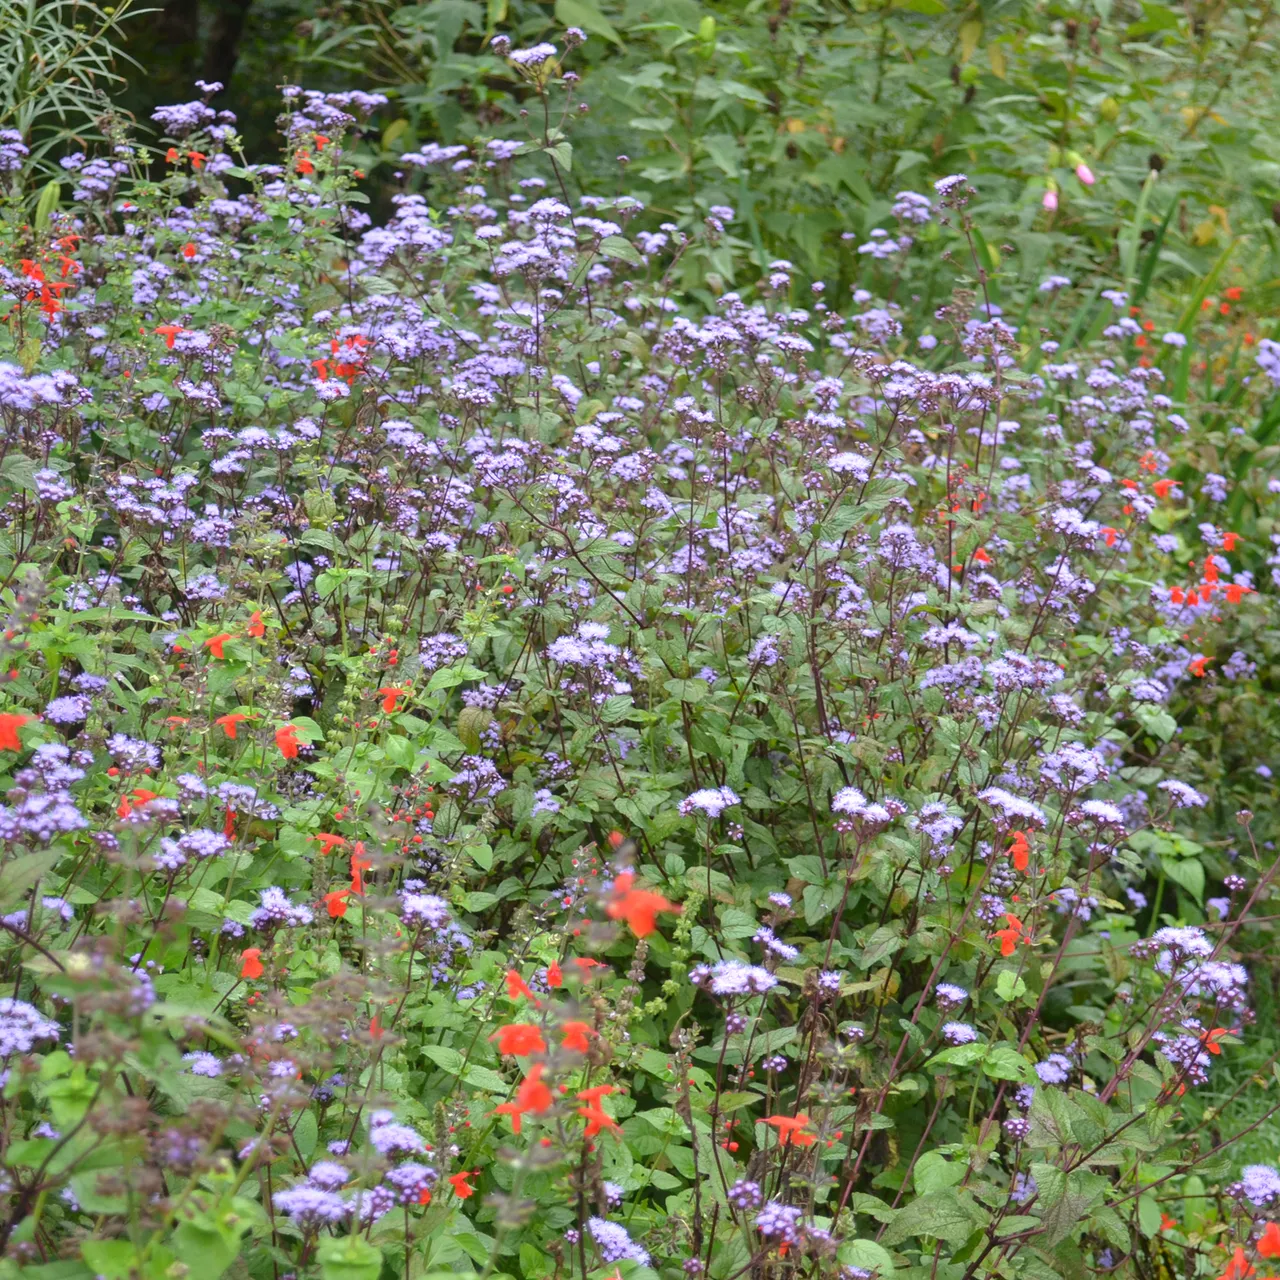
(542, 740)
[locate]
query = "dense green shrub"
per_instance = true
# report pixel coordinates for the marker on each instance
(522, 761)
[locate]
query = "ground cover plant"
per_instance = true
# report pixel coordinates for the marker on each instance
(515, 765)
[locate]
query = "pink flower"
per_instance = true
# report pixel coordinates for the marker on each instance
(1050, 200)
(1085, 174)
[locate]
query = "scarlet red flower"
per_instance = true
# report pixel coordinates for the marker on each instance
(141, 795)
(1109, 535)
(595, 1093)
(257, 628)
(1167, 1223)
(1236, 592)
(519, 1039)
(638, 907)
(10, 723)
(1196, 666)
(1210, 1039)
(597, 1119)
(389, 695)
(228, 722)
(555, 976)
(980, 556)
(287, 741)
(1162, 487)
(1177, 595)
(214, 643)
(252, 966)
(359, 863)
(518, 989)
(229, 823)
(197, 158)
(1009, 935)
(532, 1097)
(1020, 850)
(170, 332)
(171, 155)
(586, 964)
(1234, 292)
(1210, 570)
(188, 250)
(791, 1130)
(575, 1036)
(336, 902)
(328, 842)
(1269, 1241)
(458, 1181)
(1238, 1268)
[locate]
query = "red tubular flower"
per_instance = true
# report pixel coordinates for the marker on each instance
(257, 628)
(575, 1036)
(359, 864)
(140, 797)
(287, 741)
(228, 722)
(791, 1130)
(1238, 1268)
(252, 966)
(533, 1097)
(1009, 935)
(519, 1039)
(336, 902)
(170, 332)
(638, 907)
(328, 842)
(598, 1119)
(1020, 850)
(1269, 1241)
(10, 723)
(214, 643)
(389, 695)
(458, 1181)
(518, 989)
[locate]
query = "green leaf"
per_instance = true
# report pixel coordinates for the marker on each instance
(586, 14)
(348, 1258)
(50, 194)
(622, 249)
(1156, 721)
(943, 1215)
(1004, 1062)
(867, 1255)
(934, 1172)
(1186, 873)
(1009, 986)
(961, 1055)
(1149, 1215)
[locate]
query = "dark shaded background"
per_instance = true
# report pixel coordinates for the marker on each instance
(251, 46)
